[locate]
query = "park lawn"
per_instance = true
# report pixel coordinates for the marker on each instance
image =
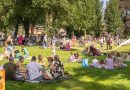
(81, 78)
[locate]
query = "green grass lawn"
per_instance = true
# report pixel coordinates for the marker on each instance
(82, 78)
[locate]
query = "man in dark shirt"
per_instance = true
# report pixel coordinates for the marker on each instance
(10, 69)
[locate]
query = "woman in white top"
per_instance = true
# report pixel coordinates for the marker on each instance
(109, 63)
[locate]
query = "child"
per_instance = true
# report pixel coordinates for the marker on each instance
(113, 55)
(85, 51)
(109, 63)
(40, 60)
(17, 54)
(72, 57)
(76, 55)
(26, 53)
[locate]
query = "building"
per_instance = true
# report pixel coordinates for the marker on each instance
(125, 8)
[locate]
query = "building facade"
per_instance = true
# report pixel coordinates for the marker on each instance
(125, 8)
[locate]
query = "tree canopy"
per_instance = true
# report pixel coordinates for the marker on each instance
(79, 16)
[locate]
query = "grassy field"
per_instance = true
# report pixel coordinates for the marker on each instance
(82, 78)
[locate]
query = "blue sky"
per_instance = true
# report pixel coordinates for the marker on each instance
(104, 3)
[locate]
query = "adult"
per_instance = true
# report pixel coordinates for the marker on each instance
(34, 71)
(109, 41)
(93, 51)
(9, 39)
(20, 40)
(9, 49)
(10, 69)
(58, 68)
(20, 67)
(109, 62)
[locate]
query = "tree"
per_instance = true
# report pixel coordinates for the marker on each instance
(113, 17)
(5, 9)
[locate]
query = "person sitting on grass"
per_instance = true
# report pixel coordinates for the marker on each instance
(51, 65)
(21, 70)
(95, 63)
(94, 51)
(35, 71)
(113, 55)
(119, 60)
(17, 54)
(62, 47)
(58, 69)
(9, 49)
(72, 58)
(85, 51)
(40, 60)
(68, 46)
(10, 69)
(128, 57)
(109, 62)
(26, 53)
(76, 55)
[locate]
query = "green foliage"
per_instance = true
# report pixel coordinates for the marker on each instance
(79, 14)
(113, 17)
(81, 78)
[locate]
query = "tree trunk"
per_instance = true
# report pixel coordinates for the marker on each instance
(16, 30)
(26, 27)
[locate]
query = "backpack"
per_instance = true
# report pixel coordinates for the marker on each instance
(85, 63)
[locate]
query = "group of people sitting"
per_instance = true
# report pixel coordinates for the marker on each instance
(113, 60)
(14, 52)
(35, 69)
(74, 57)
(65, 47)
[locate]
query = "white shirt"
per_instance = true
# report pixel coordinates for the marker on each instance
(95, 63)
(34, 70)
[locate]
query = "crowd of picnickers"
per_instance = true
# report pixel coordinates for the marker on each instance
(35, 69)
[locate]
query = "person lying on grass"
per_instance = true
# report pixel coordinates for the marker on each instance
(35, 71)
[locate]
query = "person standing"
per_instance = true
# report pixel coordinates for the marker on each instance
(109, 41)
(20, 40)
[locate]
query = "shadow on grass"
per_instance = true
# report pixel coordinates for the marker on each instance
(102, 74)
(74, 84)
